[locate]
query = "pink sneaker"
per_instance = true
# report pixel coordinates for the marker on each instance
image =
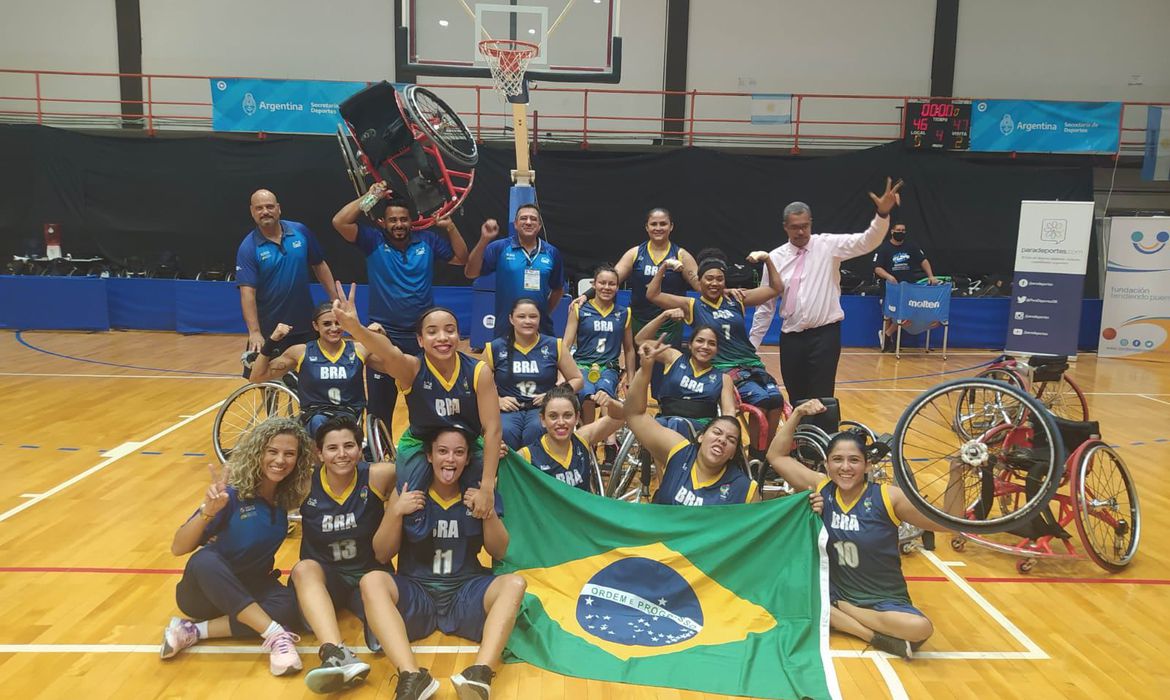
(178, 635)
(283, 658)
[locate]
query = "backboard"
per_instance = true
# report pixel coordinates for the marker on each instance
(579, 40)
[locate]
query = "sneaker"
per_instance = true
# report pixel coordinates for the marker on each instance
(178, 635)
(415, 685)
(339, 669)
(892, 645)
(283, 658)
(882, 339)
(474, 683)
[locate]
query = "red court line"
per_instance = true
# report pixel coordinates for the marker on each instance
(921, 579)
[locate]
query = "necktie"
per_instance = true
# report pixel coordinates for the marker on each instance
(794, 284)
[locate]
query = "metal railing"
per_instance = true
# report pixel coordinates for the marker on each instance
(581, 116)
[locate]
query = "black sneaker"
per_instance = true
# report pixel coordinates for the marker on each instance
(339, 669)
(416, 685)
(892, 645)
(474, 683)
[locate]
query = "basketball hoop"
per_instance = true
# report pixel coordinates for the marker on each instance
(508, 59)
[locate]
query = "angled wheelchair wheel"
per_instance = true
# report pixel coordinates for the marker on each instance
(987, 482)
(441, 125)
(625, 477)
(860, 428)
(247, 407)
(980, 408)
(379, 439)
(1107, 513)
(1064, 398)
(359, 177)
(810, 447)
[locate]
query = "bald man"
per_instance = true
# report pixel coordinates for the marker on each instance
(272, 271)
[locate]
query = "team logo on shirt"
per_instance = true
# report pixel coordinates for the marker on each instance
(311, 502)
(544, 351)
(364, 493)
(264, 255)
(247, 510)
(427, 384)
(724, 491)
(296, 244)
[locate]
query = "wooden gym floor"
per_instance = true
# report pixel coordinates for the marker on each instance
(105, 439)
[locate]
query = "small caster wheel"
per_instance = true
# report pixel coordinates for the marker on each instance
(1025, 565)
(958, 544)
(907, 547)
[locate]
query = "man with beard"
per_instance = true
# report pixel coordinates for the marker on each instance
(400, 269)
(272, 271)
(525, 266)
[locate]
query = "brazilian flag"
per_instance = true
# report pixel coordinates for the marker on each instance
(720, 599)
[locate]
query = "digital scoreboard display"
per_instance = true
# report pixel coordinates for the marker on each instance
(938, 125)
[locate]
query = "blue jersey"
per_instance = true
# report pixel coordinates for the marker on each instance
(524, 372)
(644, 269)
(600, 333)
(247, 532)
(865, 564)
(683, 390)
(728, 317)
(441, 542)
(520, 274)
(279, 272)
(681, 485)
(575, 468)
(400, 280)
(338, 528)
(331, 380)
(434, 401)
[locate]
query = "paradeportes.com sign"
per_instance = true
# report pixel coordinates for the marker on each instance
(278, 106)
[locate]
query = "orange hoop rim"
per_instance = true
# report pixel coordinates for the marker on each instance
(495, 48)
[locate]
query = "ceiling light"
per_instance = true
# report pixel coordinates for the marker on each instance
(443, 23)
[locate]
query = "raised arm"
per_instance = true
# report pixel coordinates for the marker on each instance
(850, 245)
(487, 233)
(690, 268)
(770, 286)
(388, 537)
(489, 417)
(650, 330)
(388, 357)
(727, 397)
(653, 436)
(190, 534)
(345, 220)
(458, 245)
(656, 296)
(265, 367)
(796, 474)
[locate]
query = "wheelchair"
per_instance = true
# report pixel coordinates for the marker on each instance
(252, 404)
(409, 138)
(1045, 377)
(988, 460)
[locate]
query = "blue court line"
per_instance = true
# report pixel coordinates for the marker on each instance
(194, 454)
(30, 447)
(918, 376)
(150, 453)
(68, 449)
(20, 339)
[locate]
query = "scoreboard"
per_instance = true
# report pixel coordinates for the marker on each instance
(937, 125)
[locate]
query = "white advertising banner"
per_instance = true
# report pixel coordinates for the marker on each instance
(1135, 316)
(1052, 250)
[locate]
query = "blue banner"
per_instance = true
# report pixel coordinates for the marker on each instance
(278, 106)
(918, 307)
(1031, 126)
(1043, 318)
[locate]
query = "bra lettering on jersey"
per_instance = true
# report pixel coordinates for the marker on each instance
(684, 497)
(339, 522)
(525, 367)
(723, 313)
(446, 529)
(845, 521)
(571, 478)
(649, 270)
(333, 372)
(691, 384)
(599, 325)
(447, 407)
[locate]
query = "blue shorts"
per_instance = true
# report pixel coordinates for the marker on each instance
(521, 427)
(343, 591)
(760, 390)
(459, 612)
(607, 382)
(880, 606)
(689, 428)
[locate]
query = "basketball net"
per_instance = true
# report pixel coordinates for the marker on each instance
(508, 60)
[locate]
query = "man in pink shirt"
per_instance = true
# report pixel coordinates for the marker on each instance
(810, 268)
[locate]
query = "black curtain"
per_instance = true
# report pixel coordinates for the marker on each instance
(121, 197)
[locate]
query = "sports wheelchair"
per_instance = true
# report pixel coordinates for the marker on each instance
(407, 137)
(252, 404)
(1045, 377)
(1008, 452)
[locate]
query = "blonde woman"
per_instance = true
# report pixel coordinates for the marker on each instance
(229, 586)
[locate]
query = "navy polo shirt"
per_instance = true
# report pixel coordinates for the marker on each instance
(520, 274)
(280, 274)
(246, 533)
(400, 280)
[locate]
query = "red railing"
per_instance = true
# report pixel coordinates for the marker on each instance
(574, 115)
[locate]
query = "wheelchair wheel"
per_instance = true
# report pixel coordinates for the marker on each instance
(860, 428)
(954, 479)
(1064, 398)
(810, 446)
(247, 407)
(379, 439)
(625, 477)
(1107, 513)
(442, 126)
(980, 409)
(358, 175)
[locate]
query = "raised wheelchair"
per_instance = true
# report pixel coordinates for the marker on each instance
(1045, 377)
(411, 139)
(1021, 490)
